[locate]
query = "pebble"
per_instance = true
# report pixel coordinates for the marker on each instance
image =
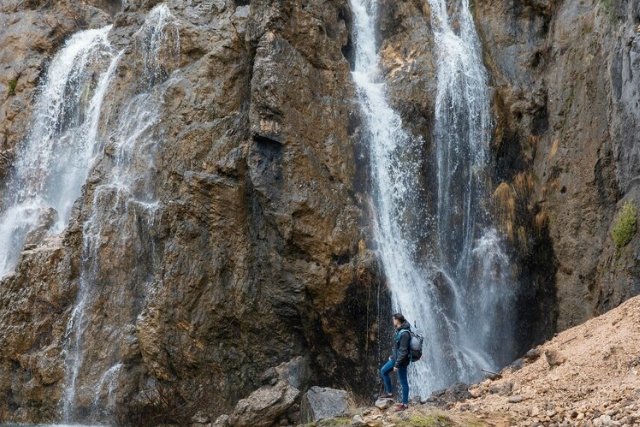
(603, 421)
(475, 392)
(384, 403)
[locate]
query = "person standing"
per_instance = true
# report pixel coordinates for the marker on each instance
(398, 361)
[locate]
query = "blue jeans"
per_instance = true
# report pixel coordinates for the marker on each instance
(402, 378)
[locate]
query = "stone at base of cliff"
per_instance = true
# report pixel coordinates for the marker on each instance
(554, 358)
(383, 403)
(445, 397)
(264, 406)
(222, 421)
(358, 421)
(322, 403)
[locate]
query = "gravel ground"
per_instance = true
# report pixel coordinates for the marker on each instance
(586, 376)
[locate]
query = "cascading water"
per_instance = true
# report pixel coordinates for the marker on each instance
(44, 184)
(459, 294)
(125, 192)
(123, 204)
(470, 254)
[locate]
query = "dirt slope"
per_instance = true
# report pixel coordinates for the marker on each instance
(587, 375)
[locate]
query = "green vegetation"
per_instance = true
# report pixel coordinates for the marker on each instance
(424, 420)
(12, 86)
(333, 422)
(625, 227)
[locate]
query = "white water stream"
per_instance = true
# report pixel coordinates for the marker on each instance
(53, 162)
(122, 202)
(460, 296)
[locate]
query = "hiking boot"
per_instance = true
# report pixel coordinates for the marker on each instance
(386, 396)
(400, 407)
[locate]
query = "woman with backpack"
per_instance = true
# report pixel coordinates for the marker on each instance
(398, 361)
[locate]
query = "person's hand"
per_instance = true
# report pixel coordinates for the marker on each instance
(390, 357)
(395, 368)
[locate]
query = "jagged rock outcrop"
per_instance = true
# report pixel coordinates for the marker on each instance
(253, 256)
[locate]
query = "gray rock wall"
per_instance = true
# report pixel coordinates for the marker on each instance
(567, 124)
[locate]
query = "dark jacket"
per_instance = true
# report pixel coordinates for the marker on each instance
(401, 345)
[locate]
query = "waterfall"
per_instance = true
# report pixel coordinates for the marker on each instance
(123, 208)
(470, 257)
(124, 194)
(53, 162)
(458, 296)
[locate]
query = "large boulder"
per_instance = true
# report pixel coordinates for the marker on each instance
(295, 372)
(322, 403)
(264, 406)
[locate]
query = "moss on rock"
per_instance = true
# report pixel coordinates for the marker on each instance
(12, 87)
(626, 225)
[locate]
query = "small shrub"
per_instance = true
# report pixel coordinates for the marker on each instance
(12, 86)
(625, 227)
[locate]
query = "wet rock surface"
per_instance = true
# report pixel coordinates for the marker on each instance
(257, 252)
(561, 72)
(252, 255)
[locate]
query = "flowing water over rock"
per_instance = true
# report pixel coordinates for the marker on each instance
(122, 213)
(53, 163)
(459, 295)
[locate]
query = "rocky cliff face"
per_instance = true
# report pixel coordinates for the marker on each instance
(252, 256)
(256, 249)
(567, 128)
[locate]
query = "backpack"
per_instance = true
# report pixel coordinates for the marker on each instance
(415, 345)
